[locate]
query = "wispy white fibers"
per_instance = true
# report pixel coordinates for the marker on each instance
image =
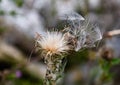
(53, 46)
(82, 30)
(53, 43)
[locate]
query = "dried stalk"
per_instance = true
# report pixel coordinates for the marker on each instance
(113, 32)
(54, 69)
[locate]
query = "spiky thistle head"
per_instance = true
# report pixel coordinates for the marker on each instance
(53, 43)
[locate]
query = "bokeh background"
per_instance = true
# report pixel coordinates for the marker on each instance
(21, 64)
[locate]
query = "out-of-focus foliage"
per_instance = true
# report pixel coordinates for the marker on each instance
(2, 29)
(2, 12)
(19, 3)
(13, 13)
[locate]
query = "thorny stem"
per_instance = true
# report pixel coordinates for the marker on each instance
(53, 73)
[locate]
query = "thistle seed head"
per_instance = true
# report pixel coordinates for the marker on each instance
(53, 43)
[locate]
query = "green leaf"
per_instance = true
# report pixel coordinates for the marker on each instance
(2, 12)
(115, 61)
(19, 3)
(105, 66)
(11, 76)
(13, 13)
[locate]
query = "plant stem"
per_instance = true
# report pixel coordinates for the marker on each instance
(54, 64)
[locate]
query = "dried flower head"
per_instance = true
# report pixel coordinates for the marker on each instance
(53, 43)
(81, 31)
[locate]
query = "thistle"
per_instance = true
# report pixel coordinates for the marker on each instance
(53, 48)
(55, 45)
